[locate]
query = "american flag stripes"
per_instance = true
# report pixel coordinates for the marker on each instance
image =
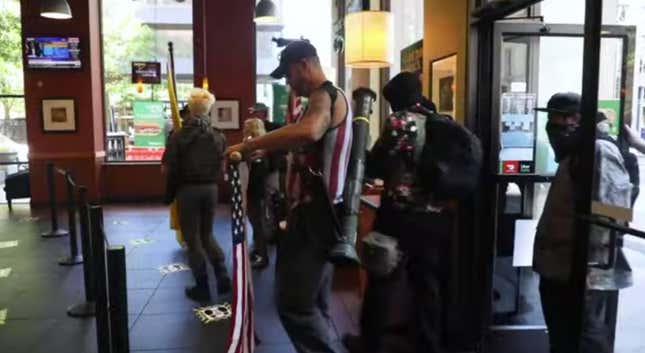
(241, 335)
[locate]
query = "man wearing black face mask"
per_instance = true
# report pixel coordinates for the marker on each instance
(554, 240)
(564, 122)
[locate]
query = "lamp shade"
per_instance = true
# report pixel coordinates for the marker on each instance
(266, 12)
(55, 9)
(369, 39)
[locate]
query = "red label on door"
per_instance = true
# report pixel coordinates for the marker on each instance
(511, 167)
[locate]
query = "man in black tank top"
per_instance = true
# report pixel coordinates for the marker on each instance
(303, 273)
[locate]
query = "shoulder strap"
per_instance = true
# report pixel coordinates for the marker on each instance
(332, 90)
(329, 87)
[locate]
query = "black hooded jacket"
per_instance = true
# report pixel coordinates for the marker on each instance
(193, 155)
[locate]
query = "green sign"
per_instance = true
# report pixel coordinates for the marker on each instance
(611, 109)
(280, 103)
(148, 124)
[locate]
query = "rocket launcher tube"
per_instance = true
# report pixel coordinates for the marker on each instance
(344, 251)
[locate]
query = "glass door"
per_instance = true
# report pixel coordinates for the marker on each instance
(532, 62)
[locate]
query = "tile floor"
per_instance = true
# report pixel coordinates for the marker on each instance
(37, 291)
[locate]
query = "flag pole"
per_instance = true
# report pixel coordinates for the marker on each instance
(176, 124)
(171, 53)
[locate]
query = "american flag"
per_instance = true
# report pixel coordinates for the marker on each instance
(241, 336)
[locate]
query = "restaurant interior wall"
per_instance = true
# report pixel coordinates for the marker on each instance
(225, 63)
(82, 151)
(445, 34)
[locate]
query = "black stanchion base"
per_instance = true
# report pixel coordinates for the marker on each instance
(84, 309)
(71, 260)
(55, 233)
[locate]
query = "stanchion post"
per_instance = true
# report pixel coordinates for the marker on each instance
(100, 278)
(74, 258)
(51, 186)
(118, 299)
(87, 307)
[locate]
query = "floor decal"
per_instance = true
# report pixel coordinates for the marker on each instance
(28, 219)
(8, 244)
(5, 272)
(142, 241)
(120, 223)
(172, 268)
(215, 313)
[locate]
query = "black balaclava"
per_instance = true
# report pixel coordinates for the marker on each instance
(564, 139)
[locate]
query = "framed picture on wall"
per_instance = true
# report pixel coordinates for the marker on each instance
(59, 115)
(225, 114)
(443, 84)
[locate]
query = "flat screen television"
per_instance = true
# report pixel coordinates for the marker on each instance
(53, 52)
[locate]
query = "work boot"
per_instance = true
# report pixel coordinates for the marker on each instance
(199, 292)
(223, 280)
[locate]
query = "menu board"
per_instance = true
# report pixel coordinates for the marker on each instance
(517, 133)
(148, 124)
(146, 72)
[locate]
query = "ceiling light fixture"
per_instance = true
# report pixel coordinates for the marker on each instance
(55, 9)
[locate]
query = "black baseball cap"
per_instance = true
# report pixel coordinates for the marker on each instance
(295, 51)
(564, 103)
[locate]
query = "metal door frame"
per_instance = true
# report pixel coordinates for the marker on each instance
(479, 118)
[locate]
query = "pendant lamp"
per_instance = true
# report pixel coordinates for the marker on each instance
(266, 12)
(369, 39)
(55, 9)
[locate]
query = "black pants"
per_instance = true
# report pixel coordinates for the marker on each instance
(303, 280)
(558, 302)
(261, 217)
(196, 216)
(402, 313)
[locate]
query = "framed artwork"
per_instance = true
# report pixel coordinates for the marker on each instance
(225, 114)
(59, 115)
(443, 84)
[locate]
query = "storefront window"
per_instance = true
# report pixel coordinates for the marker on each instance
(13, 127)
(138, 114)
(311, 20)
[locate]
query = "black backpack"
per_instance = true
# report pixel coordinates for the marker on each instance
(451, 159)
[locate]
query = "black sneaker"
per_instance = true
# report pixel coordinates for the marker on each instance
(259, 262)
(198, 293)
